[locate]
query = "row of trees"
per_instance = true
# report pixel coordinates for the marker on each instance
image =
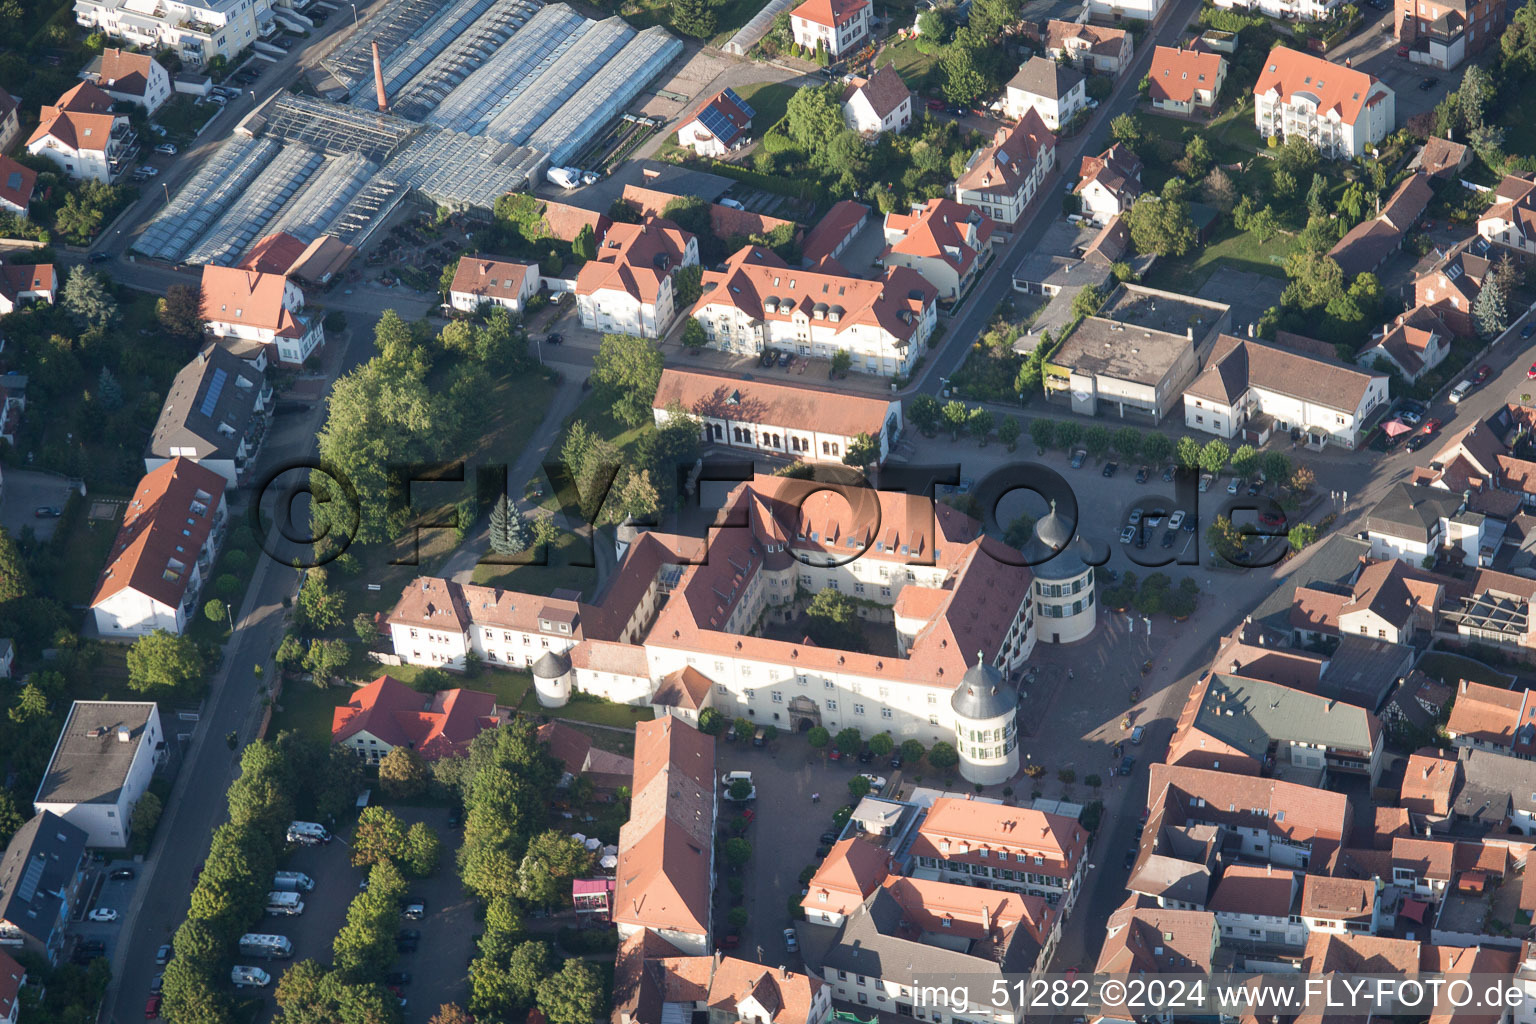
(277, 779)
(1153, 595)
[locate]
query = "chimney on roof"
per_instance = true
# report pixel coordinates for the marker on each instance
(123, 735)
(1463, 686)
(1235, 666)
(986, 919)
(378, 78)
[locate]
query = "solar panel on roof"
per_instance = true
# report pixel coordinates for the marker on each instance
(720, 126)
(31, 878)
(215, 389)
(730, 94)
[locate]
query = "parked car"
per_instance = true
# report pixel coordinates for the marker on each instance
(1529, 329)
(1127, 766)
(1135, 517)
(1531, 373)
(1110, 467)
(1418, 441)
(1255, 487)
(152, 1007)
(894, 762)
(1169, 536)
(790, 943)
(1155, 518)
(866, 756)
(875, 781)
(1190, 523)
(147, 171)
(1428, 82)
(397, 978)
(1176, 520)
(1485, 371)
(554, 338)
(828, 838)
(47, 512)
(1127, 535)
(99, 257)
(1168, 475)
(415, 910)
(1235, 486)
(1205, 482)
(1142, 474)
(784, 359)
(103, 915)
(1412, 417)
(1464, 389)
(166, 149)
(935, 105)
(1079, 457)
(1402, 51)
(1430, 426)
(121, 874)
(1130, 859)
(163, 955)
(1271, 518)
(157, 982)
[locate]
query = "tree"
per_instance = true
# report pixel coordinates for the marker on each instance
(1218, 190)
(1302, 479)
(1276, 466)
(180, 312)
(1490, 314)
(164, 664)
(626, 372)
(841, 361)
(1301, 535)
(943, 756)
(530, 963)
(1297, 156)
(1096, 439)
(1156, 448)
(290, 653)
(832, 620)
(1245, 460)
(1042, 431)
(552, 861)
(1008, 431)
(711, 723)
(925, 414)
(572, 995)
(77, 220)
(638, 499)
(693, 18)
(813, 118)
(1214, 456)
(1068, 433)
(450, 1013)
(817, 737)
(694, 335)
(990, 18)
(980, 424)
(141, 822)
(379, 837)
(508, 528)
(930, 27)
(1476, 92)
(403, 774)
(1197, 158)
(912, 751)
(956, 415)
(213, 610)
(1161, 225)
(961, 75)
(687, 286)
(325, 658)
(881, 744)
(1124, 130)
(1517, 45)
(849, 742)
(737, 852)
(584, 245)
(1317, 196)
(1264, 224)
(320, 607)
(858, 787)
(862, 451)
(10, 817)
(1127, 441)
(1222, 538)
(14, 581)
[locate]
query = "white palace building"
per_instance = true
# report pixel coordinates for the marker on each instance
(686, 624)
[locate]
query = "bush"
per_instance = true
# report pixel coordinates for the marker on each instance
(578, 941)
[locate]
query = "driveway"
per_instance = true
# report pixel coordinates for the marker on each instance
(784, 835)
(23, 491)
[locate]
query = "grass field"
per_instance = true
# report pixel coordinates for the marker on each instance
(768, 100)
(1448, 668)
(561, 571)
(911, 63)
(591, 709)
(306, 709)
(1239, 250)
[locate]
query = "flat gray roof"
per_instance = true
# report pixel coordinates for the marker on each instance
(1109, 348)
(89, 762)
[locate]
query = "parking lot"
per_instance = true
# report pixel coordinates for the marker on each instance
(439, 967)
(23, 493)
(101, 892)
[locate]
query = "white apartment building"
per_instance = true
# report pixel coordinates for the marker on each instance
(757, 301)
(1341, 111)
(163, 551)
(836, 26)
(1254, 904)
(1001, 180)
(1055, 90)
(627, 288)
(82, 136)
(261, 307)
(1245, 379)
(135, 78)
(197, 32)
(1288, 10)
(101, 766)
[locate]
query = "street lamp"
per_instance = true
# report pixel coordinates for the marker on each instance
(167, 188)
(354, 15)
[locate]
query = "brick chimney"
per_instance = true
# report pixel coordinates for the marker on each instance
(378, 78)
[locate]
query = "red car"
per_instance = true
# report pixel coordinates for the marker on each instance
(1402, 51)
(834, 755)
(1430, 426)
(1483, 373)
(935, 104)
(1272, 518)
(1531, 373)
(152, 1007)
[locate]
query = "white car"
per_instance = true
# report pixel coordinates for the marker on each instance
(875, 781)
(102, 915)
(1135, 516)
(1154, 519)
(1127, 535)
(1176, 520)
(166, 149)
(148, 171)
(1235, 486)
(790, 943)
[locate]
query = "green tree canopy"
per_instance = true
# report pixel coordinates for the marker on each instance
(625, 372)
(165, 664)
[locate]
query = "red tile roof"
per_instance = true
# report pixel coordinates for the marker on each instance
(491, 277)
(1334, 87)
(1251, 889)
(829, 13)
(1176, 73)
(440, 725)
(770, 404)
(16, 182)
(1296, 813)
(1490, 714)
(273, 254)
(942, 229)
(663, 873)
(1429, 784)
(238, 296)
(838, 223)
(975, 832)
(1338, 899)
(1153, 940)
(853, 869)
(85, 98)
(124, 72)
(167, 521)
(635, 259)
(77, 131)
(12, 976)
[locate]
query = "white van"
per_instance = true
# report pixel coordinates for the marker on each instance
(284, 904)
(1461, 391)
(242, 976)
(307, 832)
(273, 947)
(293, 881)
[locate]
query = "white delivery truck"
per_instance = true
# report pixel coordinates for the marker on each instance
(307, 832)
(286, 904)
(293, 881)
(242, 976)
(565, 177)
(273, 947)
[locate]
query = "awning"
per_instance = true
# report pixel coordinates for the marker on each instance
(1413, 910)
(1395, 427)
(1472, 881)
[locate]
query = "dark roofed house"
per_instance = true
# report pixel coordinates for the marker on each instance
(1498, 793)
(216, 414)
(1441, 158)
(40, 885)
(575, 750)
(1411, 521)
(880, 103)
(1053, 90)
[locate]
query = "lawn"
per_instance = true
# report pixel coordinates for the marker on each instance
(1448, 668)
(583, 708)
(911, 63)
(83, 551)
(1232, 137)
(562, 571)
(1240, 250)
(508, 687)
(306, 709)
(597, 414)
(1518, 119)
(768, 101)
(182, 116)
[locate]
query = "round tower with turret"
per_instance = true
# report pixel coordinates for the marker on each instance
(986, 712)
(1065, 606)
(552, 679)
